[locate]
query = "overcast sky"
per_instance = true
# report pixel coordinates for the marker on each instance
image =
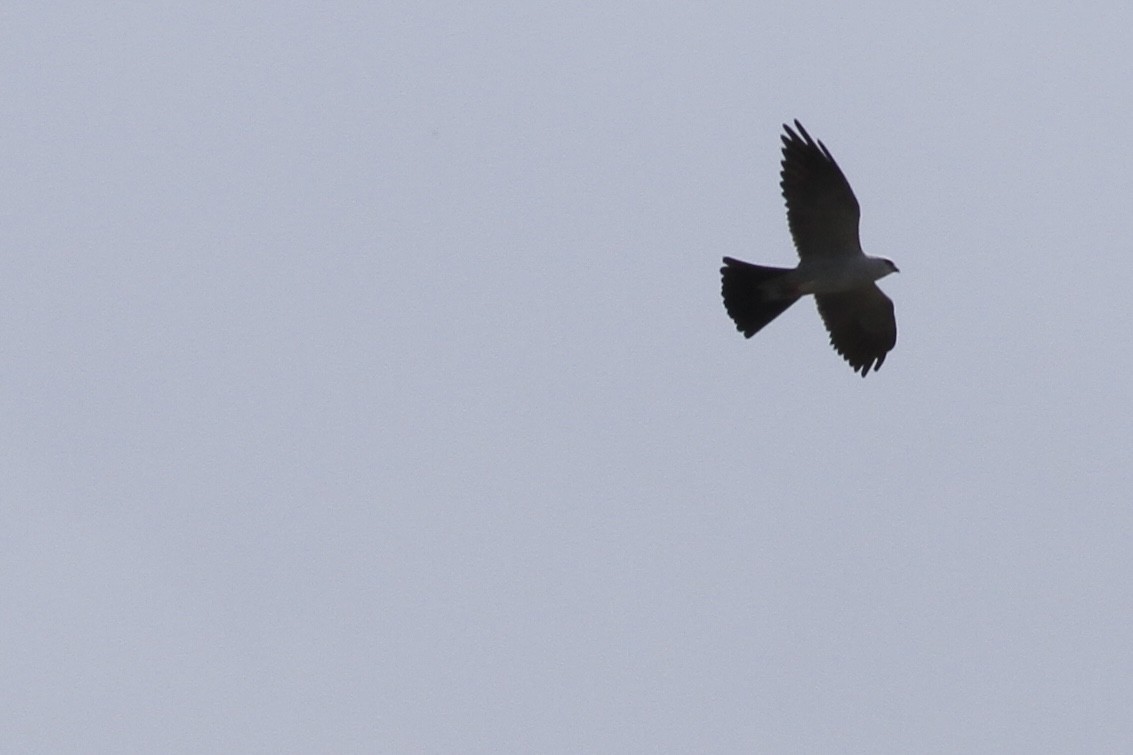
(365, 384)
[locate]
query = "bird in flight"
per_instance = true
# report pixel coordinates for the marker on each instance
(822, 214)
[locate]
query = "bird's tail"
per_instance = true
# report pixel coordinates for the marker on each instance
(750, 301)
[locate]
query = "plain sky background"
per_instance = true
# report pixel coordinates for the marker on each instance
(366, 385)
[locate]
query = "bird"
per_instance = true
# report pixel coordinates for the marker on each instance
(823, 215)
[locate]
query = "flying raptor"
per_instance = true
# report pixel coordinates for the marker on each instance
(822, 214)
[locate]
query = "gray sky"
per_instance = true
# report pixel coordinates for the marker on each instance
(366, 384)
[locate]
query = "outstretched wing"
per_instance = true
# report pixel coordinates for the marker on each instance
(861, 325)
(822, 211)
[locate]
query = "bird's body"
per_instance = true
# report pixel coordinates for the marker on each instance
(822, 213)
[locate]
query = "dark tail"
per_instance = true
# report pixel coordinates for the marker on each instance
(749, 301)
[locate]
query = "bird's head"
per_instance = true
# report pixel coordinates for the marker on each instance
(885, 267)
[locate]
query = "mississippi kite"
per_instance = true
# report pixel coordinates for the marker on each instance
(822, 213)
